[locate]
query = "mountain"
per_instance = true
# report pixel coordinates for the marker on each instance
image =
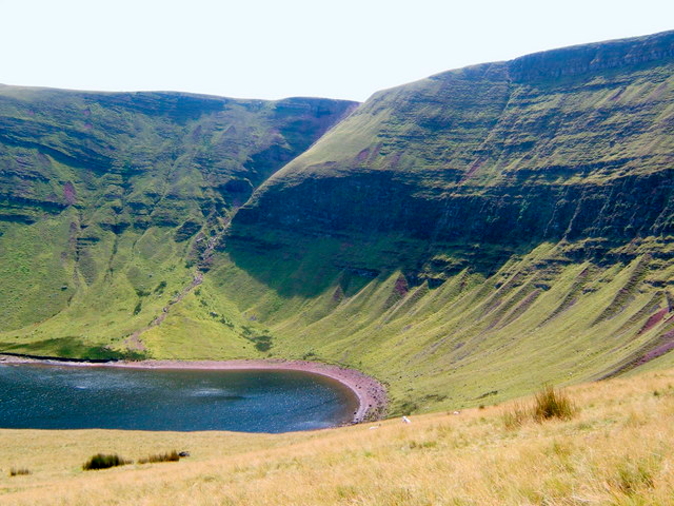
(463, 238)
(107, 199)
(570, 144)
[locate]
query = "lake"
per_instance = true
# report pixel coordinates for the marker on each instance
(54, 397)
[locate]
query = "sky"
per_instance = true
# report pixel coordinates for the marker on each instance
(275, 49)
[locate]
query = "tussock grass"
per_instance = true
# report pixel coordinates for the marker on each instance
(549, 403)
(553, 403)
(171, 456)
(598, 457)
(515, 417)
(19, 472)
(102, 461)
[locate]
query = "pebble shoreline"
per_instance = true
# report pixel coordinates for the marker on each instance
(371, 394)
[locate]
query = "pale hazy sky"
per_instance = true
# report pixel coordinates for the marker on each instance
(275, 49)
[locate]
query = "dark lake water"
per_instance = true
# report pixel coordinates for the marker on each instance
(50, 397)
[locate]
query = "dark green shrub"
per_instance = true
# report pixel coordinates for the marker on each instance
(160, 288)
(101, 461)
(263, 343)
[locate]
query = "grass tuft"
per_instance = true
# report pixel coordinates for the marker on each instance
(101, 461)
(172, 456)
(19, 472)
(515, 418)
(551, 403)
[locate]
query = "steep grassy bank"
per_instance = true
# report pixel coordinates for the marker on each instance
(616, 450)
(503, 156)
(473, 339)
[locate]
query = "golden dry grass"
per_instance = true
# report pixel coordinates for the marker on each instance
(617, 449)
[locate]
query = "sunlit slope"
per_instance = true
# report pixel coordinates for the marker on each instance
(477, 233)
(108, 201)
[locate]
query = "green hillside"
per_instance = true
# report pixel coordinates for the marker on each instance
(464, 238)
(480, 232)
(109, 201)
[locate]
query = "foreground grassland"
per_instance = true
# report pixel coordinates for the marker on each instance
(617, 450)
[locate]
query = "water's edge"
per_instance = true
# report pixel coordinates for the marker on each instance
(371, 394)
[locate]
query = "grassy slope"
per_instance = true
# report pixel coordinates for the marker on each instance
(138, 270)
(540, 318)
(616, 450)
(473, 235)
(107, 202)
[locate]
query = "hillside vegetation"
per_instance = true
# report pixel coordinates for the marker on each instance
(109, 201)
(617, 449)
(474, 234)
(464, 238)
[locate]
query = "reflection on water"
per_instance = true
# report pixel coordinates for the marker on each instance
(50, 397)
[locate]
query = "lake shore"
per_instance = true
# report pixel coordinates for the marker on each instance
(372, 398)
